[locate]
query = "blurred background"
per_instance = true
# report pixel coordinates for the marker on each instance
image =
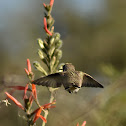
(94, 40)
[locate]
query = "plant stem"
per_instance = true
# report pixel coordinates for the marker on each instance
(46, 112)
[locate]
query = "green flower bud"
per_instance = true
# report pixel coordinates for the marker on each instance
(52, 22)
(52, 40)
(55, 65)
(58, 54)
(38, 67)
(53, 61)
(49, 20)
(40, 53)
(57, 36)
(59, 44)
(41, 44)
(51, 51)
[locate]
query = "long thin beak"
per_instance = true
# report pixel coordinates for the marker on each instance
(60, 69)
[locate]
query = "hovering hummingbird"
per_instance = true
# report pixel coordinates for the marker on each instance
(71, 79)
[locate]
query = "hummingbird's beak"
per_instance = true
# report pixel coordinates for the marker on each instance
(61, 69)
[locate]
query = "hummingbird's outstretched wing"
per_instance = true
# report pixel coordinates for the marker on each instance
(89, 81)
(52, 80)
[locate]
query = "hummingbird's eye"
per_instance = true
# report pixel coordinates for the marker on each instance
(64, 68)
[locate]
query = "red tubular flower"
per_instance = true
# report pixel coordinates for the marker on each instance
(29, 65)
(84, 123)
(49, 105)
(31, 95)
(38, 111)
(18, 87)
(14, 100)
(31, 99)
(11, 92)
(44, 4)
(34, 91)
(45, 27)
(37, 115)
(25, 91)
(21, 88)
(28, 71)
(51, 3)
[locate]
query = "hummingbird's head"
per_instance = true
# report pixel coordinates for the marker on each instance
(68, 67)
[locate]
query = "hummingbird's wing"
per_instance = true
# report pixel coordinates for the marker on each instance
(89, 81)
(52, 80)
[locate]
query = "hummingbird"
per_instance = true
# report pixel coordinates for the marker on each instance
(71, 79)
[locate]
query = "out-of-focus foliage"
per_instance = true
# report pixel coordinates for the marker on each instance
(110, 71)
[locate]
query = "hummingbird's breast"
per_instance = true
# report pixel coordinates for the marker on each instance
(74, 77)
(78, 78)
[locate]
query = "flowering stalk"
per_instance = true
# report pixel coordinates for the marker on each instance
(37, 112)
(28, 100)
(49, 52)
